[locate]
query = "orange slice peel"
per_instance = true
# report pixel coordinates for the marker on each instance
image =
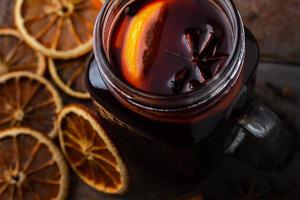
(69, 76)
(28, 100)
(142, 40)
(90, 152)
(58, 28)
(15, 55)
(31, 166)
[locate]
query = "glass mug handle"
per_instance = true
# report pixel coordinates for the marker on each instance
(258, 137)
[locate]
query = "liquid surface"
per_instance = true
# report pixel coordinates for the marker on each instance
(169, 47)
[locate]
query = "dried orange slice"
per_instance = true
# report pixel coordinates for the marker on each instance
(90, 152)
(58, 28)
(15, 55)
(69, 76)
(30, 101)
(31, 167)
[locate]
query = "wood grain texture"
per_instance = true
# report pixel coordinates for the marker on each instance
(276, 26)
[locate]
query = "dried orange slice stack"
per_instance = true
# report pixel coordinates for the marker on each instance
(90, 152)
(57, 28)
(31, 167)
(62, 30)
(69, 76)
(15, 55)
(31, 114)
(28, 100)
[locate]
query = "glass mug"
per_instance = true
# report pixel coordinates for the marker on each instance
(185, 136)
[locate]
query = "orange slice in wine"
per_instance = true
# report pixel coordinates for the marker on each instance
(69, 76)
(141, 41)
(15, 55)
(28, 100)
(90, 152)
(57, 28)
(31, 167)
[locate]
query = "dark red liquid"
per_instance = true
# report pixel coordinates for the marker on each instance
(174, 150)
(189, 44)
(170, 47)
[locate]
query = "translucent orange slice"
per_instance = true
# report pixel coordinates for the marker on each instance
(141, 41)
(15, 55)
(31, 167)
(58, 28)
(69, 76)
(28, 100)
(90, 152)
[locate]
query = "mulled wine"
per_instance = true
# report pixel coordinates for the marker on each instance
(166, 74)
(169, 47)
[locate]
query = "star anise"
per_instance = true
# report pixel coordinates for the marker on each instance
(205, 61)
(204, 45)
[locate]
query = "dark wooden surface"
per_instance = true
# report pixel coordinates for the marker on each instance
(276, 25)
(279, 87)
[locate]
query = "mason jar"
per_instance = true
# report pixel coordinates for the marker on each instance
(185, 136)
